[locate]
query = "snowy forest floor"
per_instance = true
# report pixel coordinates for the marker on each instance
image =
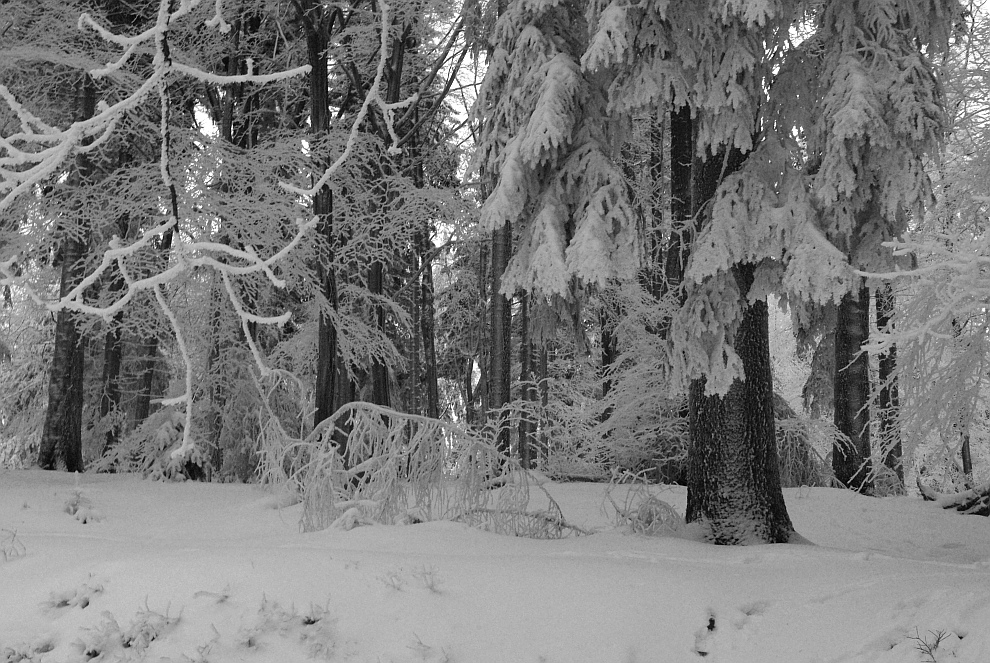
(208, 572)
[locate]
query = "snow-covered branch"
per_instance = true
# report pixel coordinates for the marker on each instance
(373, 96)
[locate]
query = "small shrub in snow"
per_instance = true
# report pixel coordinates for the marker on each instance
(79, 507)
(428, 575)
(642, 511)
(10, 546)
(148, 450)
(928, 644)
(427, 653)
(430, 578)
(80, 597)
(27, 653)
(314, 631)
(393, 579)
(109, 641)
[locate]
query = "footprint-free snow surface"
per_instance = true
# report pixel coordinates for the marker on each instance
(107, 568)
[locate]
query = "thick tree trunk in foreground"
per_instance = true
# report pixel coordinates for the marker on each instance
(61, 438)
(734, 477)
(733, 471)
(851, 463)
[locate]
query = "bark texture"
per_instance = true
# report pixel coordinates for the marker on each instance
(889, 398)
(851, 391)
(734, 487)
(61, 438)
(501, 358)
(734, 477)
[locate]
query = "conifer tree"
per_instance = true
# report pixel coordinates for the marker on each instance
(879, 113)
(715, 59)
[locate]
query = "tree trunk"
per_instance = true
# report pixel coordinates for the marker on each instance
(61, 438)
(327, 362)
(681, 169)
(379, 371)
(501, 358)
(468, 377)
(733, 472)
(888, 400)
(526, 424)
(851, 463)
(734, 476)
(415, 368)
(427, 318)
(110, 398)
(544, 382)
(112, 357)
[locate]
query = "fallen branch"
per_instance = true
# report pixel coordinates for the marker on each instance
(974, 501)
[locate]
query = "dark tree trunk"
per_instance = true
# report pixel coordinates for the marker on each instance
(428, 329)
(967, 460)
(526, 424)
(61, 438)
(142, 409)
(733, 473)
(112, 357)
(379, 371)
(610, 353)
(328, 369)
(468, 376)
(962, 424)
(734, 476)
(110, 398)
(415, 368)
(500, 377)
(888, 399)
(681, 168)
(851, 463)
(544, 382)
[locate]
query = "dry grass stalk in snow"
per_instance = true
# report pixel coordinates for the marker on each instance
(404, 468)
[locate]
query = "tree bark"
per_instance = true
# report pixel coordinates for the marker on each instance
(113, 356)
(888, 399)
(501, 326)
(427, 323)
(851, 463)
(526, 423)
(327, 362)
(734, 476)
(110, 398)
(681, 168)
(61, 438)
(733, 472)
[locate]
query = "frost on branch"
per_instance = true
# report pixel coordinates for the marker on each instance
(40, 153)
(401, 468)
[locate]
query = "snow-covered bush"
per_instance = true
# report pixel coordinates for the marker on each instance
(802, 446)
(368, 463)
(148, 450)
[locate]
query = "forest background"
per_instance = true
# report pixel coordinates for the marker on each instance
(238, 234)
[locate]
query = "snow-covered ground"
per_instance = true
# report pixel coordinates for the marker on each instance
(207, 572)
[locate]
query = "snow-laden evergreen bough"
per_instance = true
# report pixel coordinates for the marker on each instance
(550, 148)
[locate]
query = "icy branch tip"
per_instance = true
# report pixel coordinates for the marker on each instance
(166, 402)
(181, 452)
